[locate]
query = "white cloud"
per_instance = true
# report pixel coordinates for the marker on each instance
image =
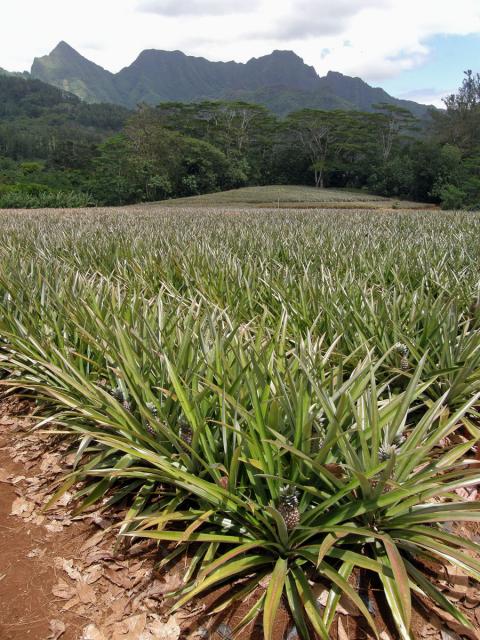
(311, 18)
(385, 37)
(386, 40)
(429, 95)
(196, 7)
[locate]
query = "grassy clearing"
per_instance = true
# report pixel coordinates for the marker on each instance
(287, 394)
(296, 197)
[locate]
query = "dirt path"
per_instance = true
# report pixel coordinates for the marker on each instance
(28, 550)
(59, 577)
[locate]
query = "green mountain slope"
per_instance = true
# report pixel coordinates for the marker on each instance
(39, 121)
(281, 81)
(362, 95)
(66, 69)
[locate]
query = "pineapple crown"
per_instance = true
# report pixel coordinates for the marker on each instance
(118, 394)
(289, 495)
(402, 349)
(399, 440)
(386, 451)
(321, 420)
(152, 408)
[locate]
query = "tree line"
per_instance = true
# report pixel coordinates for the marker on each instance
(51, 141)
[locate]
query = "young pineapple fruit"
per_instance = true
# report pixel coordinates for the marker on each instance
(119, 396)
(288, 508)
(402, 350)
(150, 430)
(153, 410)
(185, 432)
(117, 393)
(474, 309)
(318, 432)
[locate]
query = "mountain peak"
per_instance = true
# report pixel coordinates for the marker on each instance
(64, 50)
(67, 69)
(63, 46)
(282, 56)
(286, 53)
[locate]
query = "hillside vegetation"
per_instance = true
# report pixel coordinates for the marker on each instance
(57, 150)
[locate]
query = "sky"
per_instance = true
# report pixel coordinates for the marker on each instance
(416, 49)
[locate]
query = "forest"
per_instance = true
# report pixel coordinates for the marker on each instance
(56, 150)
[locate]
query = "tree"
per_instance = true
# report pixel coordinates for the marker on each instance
(468, 96)
(243, 132)
(315, 132)
(459, 124)
(393, 125)
(117, 179)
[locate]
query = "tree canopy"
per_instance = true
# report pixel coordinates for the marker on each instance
(50, 138)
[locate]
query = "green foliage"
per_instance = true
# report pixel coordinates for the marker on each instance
(273, 391)
(452, 197)
(34, 196)
(49, 137)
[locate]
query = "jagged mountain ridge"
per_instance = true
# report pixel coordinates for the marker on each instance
(281, 81)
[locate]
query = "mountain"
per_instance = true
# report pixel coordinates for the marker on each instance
(281, 81)
(362, 95)
(160, 76)
(66, 69)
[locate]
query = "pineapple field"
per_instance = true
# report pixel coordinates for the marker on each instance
(286, 402)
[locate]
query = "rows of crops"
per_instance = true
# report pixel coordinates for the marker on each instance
(280, 392)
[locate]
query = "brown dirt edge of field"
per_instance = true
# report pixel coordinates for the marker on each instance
(61, 579)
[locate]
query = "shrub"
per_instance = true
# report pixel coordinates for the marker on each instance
(28, 198)
(452, 197)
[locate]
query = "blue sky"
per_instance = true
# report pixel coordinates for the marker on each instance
(412, 48)
(442, 71)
